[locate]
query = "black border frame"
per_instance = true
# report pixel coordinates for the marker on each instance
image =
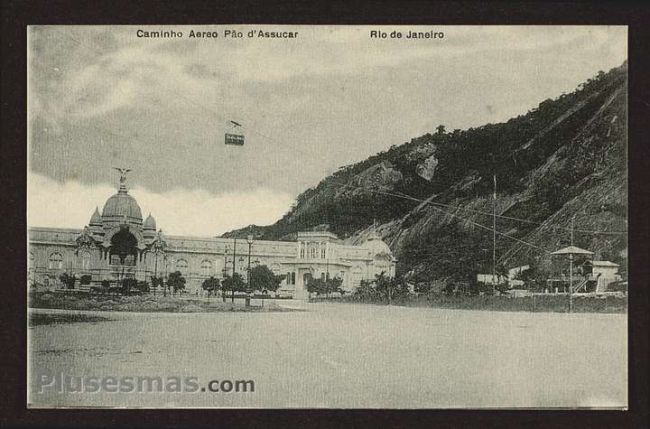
(17, 14)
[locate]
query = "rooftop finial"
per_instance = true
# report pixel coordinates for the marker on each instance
(123, 172)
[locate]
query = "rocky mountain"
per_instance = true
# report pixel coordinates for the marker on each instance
(432, 198)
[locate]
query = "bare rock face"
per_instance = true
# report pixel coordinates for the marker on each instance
(566, 157)
(379, 176)
(426, 168)
(421, 152)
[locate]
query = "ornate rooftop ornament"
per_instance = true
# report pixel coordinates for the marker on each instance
(158, 244)
(123, 172)
(85, 240)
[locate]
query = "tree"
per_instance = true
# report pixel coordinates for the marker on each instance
(390, 288)
(333, 285)
(450, 288)
(440, 129)
(85, 279)
(143, 286)
(234, 284)
(366, 291)
(176, 281)
(262, 278)
(156, 282)
(534, 278)
(211, 285)
(324, 286)
(451, 255)
(68, 280)
(129, 284)
(314, 285)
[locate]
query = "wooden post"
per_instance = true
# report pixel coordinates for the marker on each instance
(234, 262)
(494, 236)
(571, 269)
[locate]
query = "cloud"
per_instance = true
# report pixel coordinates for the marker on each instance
(308, 106)
(178, 211)
(137, 72)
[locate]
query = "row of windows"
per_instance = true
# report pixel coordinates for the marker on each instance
(324, 276)
(128, 260)
(313, 253)
(207, 267)
(55, 261)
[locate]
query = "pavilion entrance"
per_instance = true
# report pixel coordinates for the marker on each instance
(123, 255)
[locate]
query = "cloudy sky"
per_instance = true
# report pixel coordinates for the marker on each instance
(101, 97)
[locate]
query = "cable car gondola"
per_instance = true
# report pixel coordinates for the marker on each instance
(234, 137)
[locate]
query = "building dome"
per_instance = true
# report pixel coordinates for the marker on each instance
(150, 223)
(122, 207)
(376, 245)
(96, 218)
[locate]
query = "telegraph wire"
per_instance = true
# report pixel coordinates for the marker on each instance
(457, 207)
(468, 220)
(406, 196)
(435, 205)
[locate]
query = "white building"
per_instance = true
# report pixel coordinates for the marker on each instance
(118, 244)
(604, 273)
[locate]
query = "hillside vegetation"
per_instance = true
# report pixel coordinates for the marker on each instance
(432, 197)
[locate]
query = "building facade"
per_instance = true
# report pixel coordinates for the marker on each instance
(119, 244)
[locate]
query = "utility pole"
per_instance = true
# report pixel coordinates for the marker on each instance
(224, 271)
(390, 290)
(234, 262)
(165, 283)
(236, 140)
(249, 240)
(494, 235)
(327, 261)
(571, 268)
(155, 275)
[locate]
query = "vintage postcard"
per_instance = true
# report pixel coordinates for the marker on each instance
(302, 216)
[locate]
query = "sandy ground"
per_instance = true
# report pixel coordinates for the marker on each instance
(343, 355)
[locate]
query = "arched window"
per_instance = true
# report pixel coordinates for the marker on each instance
(55, 262)
(85, 260)
(206, 268)
(181, 265)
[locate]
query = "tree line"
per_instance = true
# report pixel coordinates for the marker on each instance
(262, 279)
